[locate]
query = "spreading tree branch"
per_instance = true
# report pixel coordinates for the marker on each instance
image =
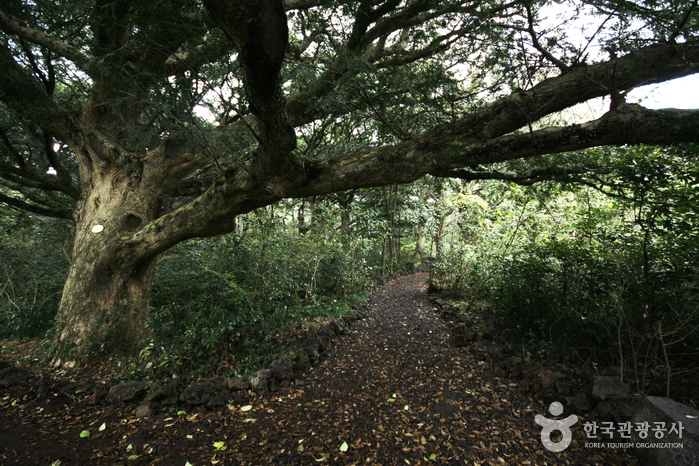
(213, 211)
(34, 202)
(652, 64)
(683, 22)
(525, 178)
(535, 40)
(21, 93)
(13, 25)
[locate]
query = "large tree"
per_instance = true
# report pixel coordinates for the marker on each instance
(152, 122)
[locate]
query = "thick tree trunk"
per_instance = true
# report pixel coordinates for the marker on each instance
(104, 307)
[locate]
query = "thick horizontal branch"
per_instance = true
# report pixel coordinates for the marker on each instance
(34, 202)
(27, 98)
(31, 179)
(650, 65)
(238, 192)
(13, 25)
(405, 162)
(21, 205)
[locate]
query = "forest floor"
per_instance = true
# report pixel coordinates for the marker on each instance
(390, 392)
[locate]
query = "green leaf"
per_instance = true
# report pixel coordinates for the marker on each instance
(133, 457)
(220, 446)
(433, 457)
(84, 434)
(391, 400)
(690, 416)
(181, 412)
(344, 446)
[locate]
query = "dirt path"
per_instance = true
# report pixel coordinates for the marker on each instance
(391, 392)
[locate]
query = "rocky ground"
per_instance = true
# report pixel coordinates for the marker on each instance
(390, 389)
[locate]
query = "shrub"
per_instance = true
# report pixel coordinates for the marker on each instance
(34, 261)
(232, 294)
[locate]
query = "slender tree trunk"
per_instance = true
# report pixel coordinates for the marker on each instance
(395, 233)
(383, 256)
(302, 218)
(390, 243)
(344, 201)
(419, 247)
(345, 222)
(439, 234)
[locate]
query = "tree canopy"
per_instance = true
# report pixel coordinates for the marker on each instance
(161, 121)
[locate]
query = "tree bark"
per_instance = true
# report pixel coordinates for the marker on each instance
(419, 247)
(104, 307)
(345, 201)
(302, 228)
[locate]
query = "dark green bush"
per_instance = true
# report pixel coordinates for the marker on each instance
(34, 261)
(232, 294)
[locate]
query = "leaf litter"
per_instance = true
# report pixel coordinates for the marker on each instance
(458, 411)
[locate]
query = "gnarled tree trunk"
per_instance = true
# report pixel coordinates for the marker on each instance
(104, 307)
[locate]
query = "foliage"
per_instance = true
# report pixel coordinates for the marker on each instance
(34, 262)
(236, 293)
(606, 271)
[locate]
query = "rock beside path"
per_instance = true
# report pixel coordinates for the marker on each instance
(664, 417)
